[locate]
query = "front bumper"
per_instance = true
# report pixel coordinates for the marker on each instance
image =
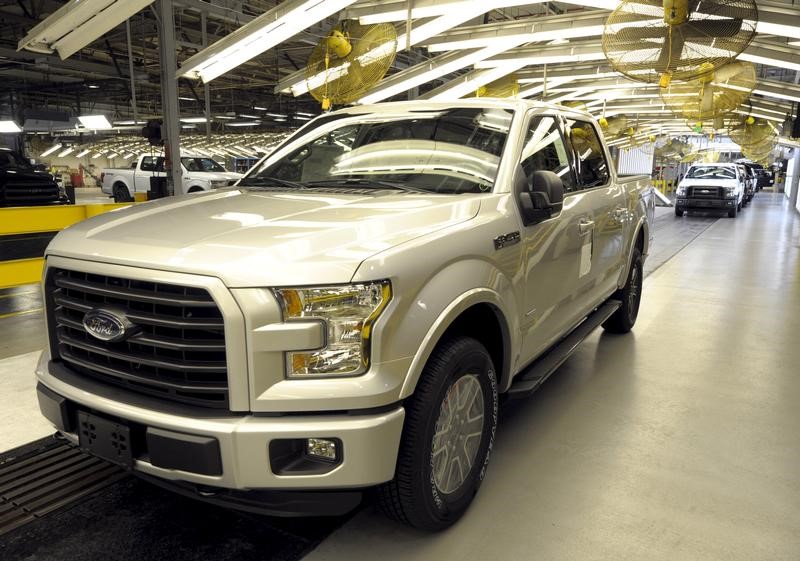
(683, 202)
(225, 450)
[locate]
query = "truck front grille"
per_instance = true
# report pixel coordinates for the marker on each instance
(706, 192)
(30, 192)
(177, 351)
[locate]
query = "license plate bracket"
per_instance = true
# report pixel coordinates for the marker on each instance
(105, 438)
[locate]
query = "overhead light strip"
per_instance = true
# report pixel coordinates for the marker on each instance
(263, 33)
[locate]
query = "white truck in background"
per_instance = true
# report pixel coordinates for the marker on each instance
(200, 173)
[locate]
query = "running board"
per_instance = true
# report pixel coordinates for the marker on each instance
(529, 381)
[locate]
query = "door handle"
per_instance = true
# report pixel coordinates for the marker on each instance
(585, 226)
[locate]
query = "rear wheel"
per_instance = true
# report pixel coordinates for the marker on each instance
(121, 194)
(447, 438)
(624, 318)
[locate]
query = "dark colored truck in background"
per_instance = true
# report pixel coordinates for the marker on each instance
(22, 185)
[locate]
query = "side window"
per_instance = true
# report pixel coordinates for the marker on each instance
(545, 150)
(591, 161)
(148, 164)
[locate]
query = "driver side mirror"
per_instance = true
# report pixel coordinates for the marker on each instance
(541, 197)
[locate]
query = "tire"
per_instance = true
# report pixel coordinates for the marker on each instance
(194, 189)
(427, 491)
(732, 212)
(121, 194)
(740, 206)
(623, 320)
(678, 212)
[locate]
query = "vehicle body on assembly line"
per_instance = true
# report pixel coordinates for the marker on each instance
(21, 184)
(200, 173)
(353, 310)
(712, 187)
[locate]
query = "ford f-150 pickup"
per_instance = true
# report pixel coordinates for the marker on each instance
(348, 317)
(200, 173)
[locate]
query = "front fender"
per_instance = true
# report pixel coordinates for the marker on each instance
(425, 316)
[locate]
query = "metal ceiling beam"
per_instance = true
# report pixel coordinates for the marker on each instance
(54, 62)
(215, 11)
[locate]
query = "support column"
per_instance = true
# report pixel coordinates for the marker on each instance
(171, 128)
(793, 181)
(206, 88)
(130, 71)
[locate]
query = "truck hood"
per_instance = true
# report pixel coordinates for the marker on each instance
(253, 238)
(213, 175)
(719, 182)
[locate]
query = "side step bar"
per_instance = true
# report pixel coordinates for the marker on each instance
(528, 382)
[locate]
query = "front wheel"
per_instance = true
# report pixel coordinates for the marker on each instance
(624, 318)
(732, 212)
(447, 438)
(678, 212)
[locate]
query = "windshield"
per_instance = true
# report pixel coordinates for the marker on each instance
(201, 164)
(9, 159)
(711, 172)
(443, 151)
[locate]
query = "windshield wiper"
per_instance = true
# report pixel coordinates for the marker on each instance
(270, 182)
(361, 182)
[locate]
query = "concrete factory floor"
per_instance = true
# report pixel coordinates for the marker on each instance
(678, 441)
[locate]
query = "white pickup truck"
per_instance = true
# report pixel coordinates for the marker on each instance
(347, 318)
(717, 186)
(200, 173)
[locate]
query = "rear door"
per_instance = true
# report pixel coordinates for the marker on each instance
(605, 213)
(150, 166)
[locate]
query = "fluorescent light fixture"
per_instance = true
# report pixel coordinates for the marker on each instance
(193, 120)
(185, 98)
(257, 108)
(778, 29)
(225, 117)
(266, 31)
(112, 155)
(50, 150)
(770, 61)
(397, 84)
(95, 122)
(97, 155)
(279, 119)
(244, 124)
(129, 156)
(9, 127)
(304, 114)
(66, 152)
(128, 123)
(556, 38)
(280, 115)
(249, 116)
(434, 8)
(540, 60)
(777, 95)
(188, 126)
(299, 117)
(297, 83)
(82, 153)
(78, 23)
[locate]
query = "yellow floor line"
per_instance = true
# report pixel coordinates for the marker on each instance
(22, 313)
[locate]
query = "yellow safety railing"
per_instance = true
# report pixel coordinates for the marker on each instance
(33, 220)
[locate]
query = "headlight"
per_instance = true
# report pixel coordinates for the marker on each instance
(730, 191)
(681, 192)
(219, 184)
(348, 313)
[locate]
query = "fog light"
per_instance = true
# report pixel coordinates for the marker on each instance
(321, 448)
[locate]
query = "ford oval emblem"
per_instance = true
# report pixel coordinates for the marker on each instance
(107, 325)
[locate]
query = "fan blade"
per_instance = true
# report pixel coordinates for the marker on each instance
(671, 53)
(707, 100)
(639, 33)
(732, 10)
(710, 28)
